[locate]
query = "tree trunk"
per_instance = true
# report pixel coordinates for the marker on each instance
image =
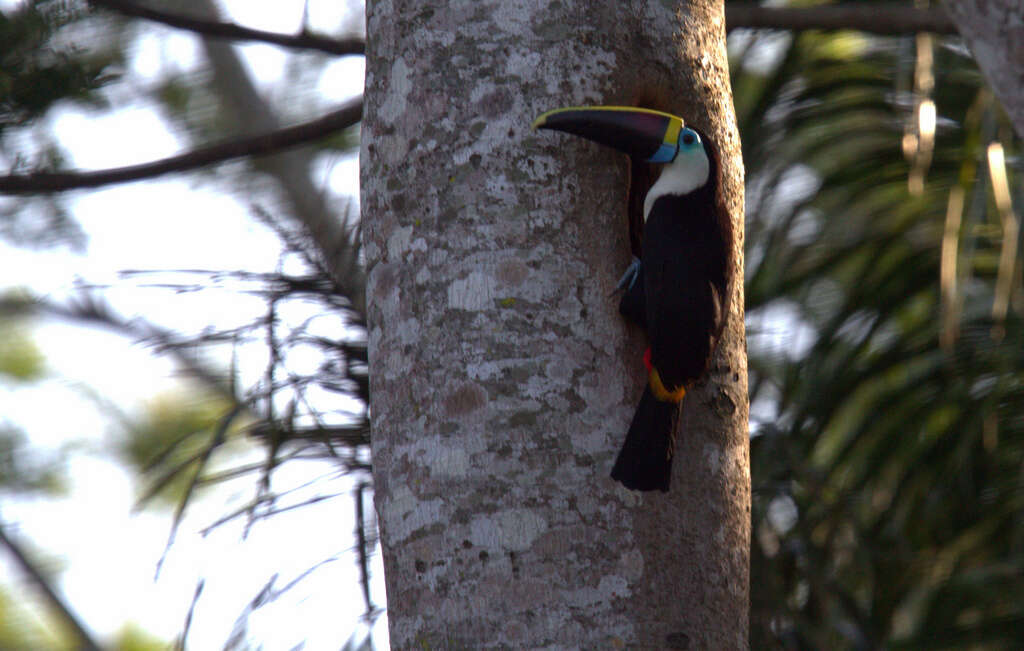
(502, 377)
(994, 30)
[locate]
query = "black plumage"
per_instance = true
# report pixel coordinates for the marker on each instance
(679, 292)
(680, 295)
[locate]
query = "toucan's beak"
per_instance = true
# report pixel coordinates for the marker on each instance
(646, 134)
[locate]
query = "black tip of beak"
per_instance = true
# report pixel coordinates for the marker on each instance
(643, 133)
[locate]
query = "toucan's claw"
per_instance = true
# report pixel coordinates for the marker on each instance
(629, 278)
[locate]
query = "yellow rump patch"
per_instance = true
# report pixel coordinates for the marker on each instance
(662, 393)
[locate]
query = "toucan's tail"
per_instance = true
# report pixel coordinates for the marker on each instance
(645, 461)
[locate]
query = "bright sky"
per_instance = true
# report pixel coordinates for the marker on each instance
(108, 554)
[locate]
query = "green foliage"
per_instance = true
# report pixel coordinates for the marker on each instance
(20, 629)
(173, 442)
(133, 638)
(20, 358)
(886, 466)
(37, 67)
(26, 625)
(41, 64)
(24, 469)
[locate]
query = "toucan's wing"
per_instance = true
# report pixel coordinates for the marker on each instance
(684, 310)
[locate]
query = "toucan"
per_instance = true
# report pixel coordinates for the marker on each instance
(679, 287)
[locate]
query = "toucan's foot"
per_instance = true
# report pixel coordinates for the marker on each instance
(633, 304)
(629, 278)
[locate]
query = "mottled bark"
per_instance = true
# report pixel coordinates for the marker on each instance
(994, 30)
(502, 378)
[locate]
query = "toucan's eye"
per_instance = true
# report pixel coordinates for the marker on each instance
(689, 137)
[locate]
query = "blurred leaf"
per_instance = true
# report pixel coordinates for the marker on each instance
(25, 469)
(902, 460)
(172, 440)
(133, 638)
(20, 628)
(36, 69)
(20, 358)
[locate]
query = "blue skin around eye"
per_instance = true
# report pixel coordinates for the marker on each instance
(667, 153)
(691, 135)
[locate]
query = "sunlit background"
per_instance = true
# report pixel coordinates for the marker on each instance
(885, 341)
(97, 384)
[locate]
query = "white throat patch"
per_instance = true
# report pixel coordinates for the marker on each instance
(685, 174)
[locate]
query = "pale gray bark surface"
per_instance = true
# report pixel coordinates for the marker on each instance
(502, 377)
(994, 30)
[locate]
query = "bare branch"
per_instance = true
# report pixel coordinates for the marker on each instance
(90, 310)
(257, 145)
(217, 29)
(882, 18)
(336, 237)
